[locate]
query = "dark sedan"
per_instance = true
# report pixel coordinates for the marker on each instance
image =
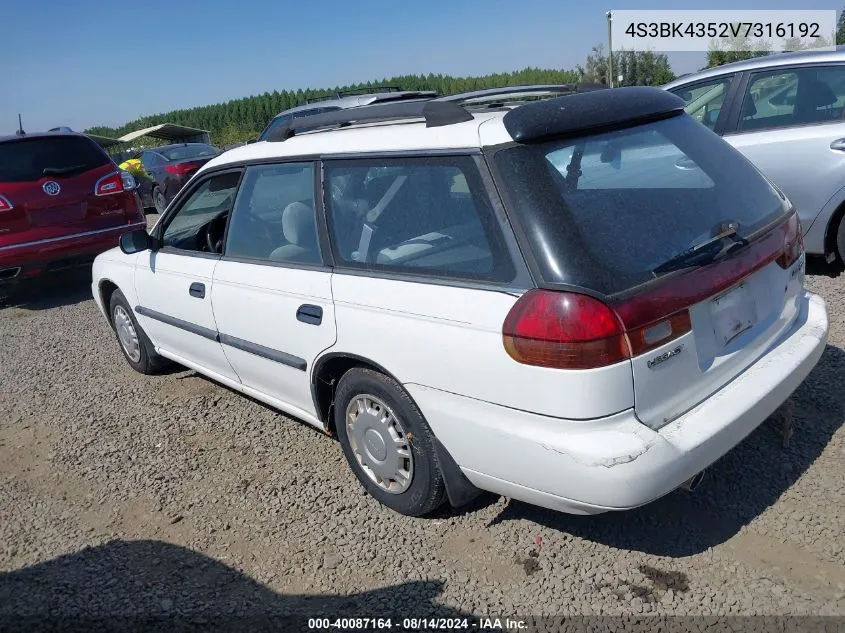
(168, 168)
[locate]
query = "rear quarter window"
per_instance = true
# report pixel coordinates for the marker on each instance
(28, 160)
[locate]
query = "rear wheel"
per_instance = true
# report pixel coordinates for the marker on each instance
(840, 240)
(159, 200)
(387, 442)
(134, 343)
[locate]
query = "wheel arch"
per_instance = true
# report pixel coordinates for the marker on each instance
(106, 288)
(325, 376)
(832, 230)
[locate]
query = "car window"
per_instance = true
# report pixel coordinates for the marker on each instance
(785, 98)
(419, 215)
(202, 217)
(30, 159)
(703, 101)
(189, 151)
(274, 217)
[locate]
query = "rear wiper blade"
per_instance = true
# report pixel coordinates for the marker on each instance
(61, 171)
(702, 253)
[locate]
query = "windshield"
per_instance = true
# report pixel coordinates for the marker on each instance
(188, 152)
(606, 211)
(28, 160)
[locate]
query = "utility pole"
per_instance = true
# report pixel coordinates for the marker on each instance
(609, 15)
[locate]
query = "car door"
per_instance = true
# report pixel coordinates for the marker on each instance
(790, 125)
(272, 289)
(174, 282)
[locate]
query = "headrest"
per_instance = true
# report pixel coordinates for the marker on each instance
(298, 224)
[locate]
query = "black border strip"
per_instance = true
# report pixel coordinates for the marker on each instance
(179, 323)
(264, 352)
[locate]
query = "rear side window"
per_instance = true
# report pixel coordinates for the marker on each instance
(800, 96)
(606, 211)
(425, 216)
(31, 159)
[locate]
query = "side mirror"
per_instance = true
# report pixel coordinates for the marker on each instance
(136, 241)
(251, 141)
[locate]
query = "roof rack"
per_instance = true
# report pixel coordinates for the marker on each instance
(355, 91)
(494, 96)
(436, 113)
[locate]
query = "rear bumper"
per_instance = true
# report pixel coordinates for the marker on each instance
(617, 463)
(30, 259)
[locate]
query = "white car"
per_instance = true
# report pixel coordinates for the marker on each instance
(579, 301)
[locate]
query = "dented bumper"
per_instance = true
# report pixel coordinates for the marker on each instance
(617, 463)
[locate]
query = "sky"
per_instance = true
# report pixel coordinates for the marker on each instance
(92, 62)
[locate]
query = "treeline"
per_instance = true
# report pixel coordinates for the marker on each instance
(240, 119)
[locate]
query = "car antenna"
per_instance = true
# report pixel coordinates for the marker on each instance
(20, 131)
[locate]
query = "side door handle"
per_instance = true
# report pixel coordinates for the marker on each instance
(197, 290)
(310, 314)
(838, 144)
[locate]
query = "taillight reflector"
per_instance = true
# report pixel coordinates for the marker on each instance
(5, 205)
(567, 330)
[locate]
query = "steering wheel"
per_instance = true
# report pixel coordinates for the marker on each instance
(214, 232)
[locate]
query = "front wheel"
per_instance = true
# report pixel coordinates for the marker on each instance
(388, 443)
(134, 343)
(840, 240)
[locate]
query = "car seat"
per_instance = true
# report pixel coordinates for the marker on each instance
(300, 230)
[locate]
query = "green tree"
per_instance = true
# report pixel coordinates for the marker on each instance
(840, 28)
(735, 49)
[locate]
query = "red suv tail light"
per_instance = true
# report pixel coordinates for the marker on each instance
(180, 169)
(5, 205)
(566, 330)
(793, 243)
(115, 182)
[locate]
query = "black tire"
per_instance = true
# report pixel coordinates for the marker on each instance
(147, 361)
(426, 491)
(159, 201)
(840, 241)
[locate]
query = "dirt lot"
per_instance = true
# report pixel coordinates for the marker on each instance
(127, 495)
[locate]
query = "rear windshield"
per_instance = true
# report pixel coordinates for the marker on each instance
(606, 211)
(27, 160)
(187, 152)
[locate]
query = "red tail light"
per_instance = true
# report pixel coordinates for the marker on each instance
(5, 205)
(565, 330)
(180, 169)
(793, 243)
(115, 182)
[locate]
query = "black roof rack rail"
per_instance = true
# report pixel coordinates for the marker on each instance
(516, 92)
(435, 113)
(370, 90)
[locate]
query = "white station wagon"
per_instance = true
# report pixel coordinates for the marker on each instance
(579, 301)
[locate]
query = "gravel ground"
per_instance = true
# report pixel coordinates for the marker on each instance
(131, 495)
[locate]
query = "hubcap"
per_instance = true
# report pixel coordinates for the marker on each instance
(160, 202)
(126, 334)
(380, 444)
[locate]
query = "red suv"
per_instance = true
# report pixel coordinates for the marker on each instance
(62, 202)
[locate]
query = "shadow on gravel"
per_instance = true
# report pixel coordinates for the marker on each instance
(151, 585)
(818, 266)
(63, 288)
(735, 490)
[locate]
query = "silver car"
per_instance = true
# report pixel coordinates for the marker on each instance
(342, 101)
(785, 113)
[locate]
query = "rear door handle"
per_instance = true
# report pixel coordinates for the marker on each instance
(838, 144)
(311, 314)
(197, 290)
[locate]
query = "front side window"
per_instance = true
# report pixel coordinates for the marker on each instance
(415, 215)
(200, 223)
(704, 101)
(785, 98)
(274, 217)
